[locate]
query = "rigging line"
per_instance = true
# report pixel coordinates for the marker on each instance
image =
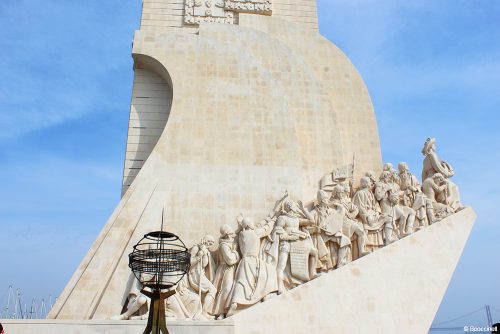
(5, 294)
(12, 299)
(33, 309)
(43, 310)
(493, 307)
(19, 301)
(460, 317)
(7, 307)
(15, 300)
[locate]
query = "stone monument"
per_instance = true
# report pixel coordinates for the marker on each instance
(236, 102)
(224, 117)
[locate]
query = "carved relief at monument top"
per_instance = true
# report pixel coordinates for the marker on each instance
(222, 11)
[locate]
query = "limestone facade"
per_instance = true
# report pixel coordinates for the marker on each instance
(169, 15)
(149, 111)
(257, 107)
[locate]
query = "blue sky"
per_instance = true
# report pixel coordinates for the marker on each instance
(432, 69)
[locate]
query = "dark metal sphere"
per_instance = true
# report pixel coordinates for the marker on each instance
(159, 260)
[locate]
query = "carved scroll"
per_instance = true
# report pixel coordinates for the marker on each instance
(299, 259)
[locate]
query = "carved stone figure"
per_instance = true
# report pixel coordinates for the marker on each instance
(387, 192)
(432, 165)
(136, 305)
(326, 231)
(409, 184)
(413, 196)
(371, 176)
(201, 272)
(255, 278)
(185, 303)
(404, 216)
(436, 189)
(351, 227)
(393, 174)
(297, 257)
(228, 258)
(375, 224)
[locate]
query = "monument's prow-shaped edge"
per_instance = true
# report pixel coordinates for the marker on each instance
(397, 289)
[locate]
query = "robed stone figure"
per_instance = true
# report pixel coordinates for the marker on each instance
(255, 278)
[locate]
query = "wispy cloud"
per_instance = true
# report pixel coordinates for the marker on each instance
(65, 84)
(57, 65)
(431, 67)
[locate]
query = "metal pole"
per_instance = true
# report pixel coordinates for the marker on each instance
(43, 310)
(488, 315)
(11, 294)
(16, 301)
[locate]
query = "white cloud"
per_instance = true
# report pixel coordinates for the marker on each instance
(68, 60)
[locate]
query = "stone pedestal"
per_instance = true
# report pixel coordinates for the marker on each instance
(112, 327)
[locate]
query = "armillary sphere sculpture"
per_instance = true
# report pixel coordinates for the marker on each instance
(159, 261)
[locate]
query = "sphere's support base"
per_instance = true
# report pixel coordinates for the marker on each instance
(156, 322)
